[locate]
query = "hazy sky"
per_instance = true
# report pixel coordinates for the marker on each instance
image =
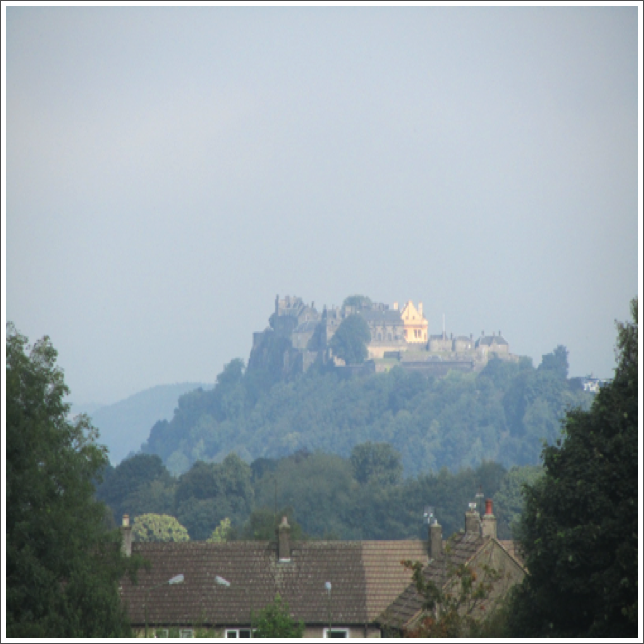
(170, 170)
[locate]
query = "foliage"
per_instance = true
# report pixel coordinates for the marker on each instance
(275, 621)
(210, 492)
(350, 341)
(357, 301)
(327, 496)
(222, 532)
(557, 362)
(262, 525)
(319, 487)
(158, 527)
(377, 463)
(509, 501)
(579, 529)
(137, 485)
(502, 414)
(455, 608)
(63, 567)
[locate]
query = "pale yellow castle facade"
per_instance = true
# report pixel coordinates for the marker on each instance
(414, 323)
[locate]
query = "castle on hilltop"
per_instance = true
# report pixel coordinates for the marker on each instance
(399, 336)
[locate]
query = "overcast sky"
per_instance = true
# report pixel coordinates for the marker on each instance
(170, 170)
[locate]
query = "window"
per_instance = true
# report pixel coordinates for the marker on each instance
(161, 632)
(336, 632)
(185, 632)
(238, 632)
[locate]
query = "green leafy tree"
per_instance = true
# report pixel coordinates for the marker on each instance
(358, 301)
(579, 529)
(158, 527)
(63, 567)
(275, 621)
(210, 492)
(509, 501)
(222, 532)
(121, 489)
(350, 341)
(557, 362)
(376, 463)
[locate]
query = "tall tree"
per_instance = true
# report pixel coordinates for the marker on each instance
(358, 301)
(376, 463)
(63, 567)
(557, 361)
(579, 529)
(350, 341)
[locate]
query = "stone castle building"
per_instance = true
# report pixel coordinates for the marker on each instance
(398, 336)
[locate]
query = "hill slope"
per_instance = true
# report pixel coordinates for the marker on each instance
(501, 414)
(126, 424)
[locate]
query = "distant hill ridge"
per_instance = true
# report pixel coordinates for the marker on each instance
(126, 424)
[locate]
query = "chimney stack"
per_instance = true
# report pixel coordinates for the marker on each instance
(488, 523)
(126, 531)
(435, 540)
(395, 306)
(420, 308)
(284, 548)
(472, 520)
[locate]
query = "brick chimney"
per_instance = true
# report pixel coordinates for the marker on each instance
(472, 520)
(395, 306)
(284, 548)
(126, 531)
(435, 540)
(488, 523)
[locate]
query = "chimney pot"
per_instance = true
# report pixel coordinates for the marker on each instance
(435, 540)
(488, 523)
(472, 522)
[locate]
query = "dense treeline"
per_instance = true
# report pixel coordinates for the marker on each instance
(324, 495)
(502, 414)
(579, 530)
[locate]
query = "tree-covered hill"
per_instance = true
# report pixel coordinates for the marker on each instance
(501, 414)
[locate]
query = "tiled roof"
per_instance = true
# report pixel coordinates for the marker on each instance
(385, 576)
(460, 549)
(366, 576)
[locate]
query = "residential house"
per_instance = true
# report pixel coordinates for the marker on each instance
(337, 588)
(364, 577)
(476, 548)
